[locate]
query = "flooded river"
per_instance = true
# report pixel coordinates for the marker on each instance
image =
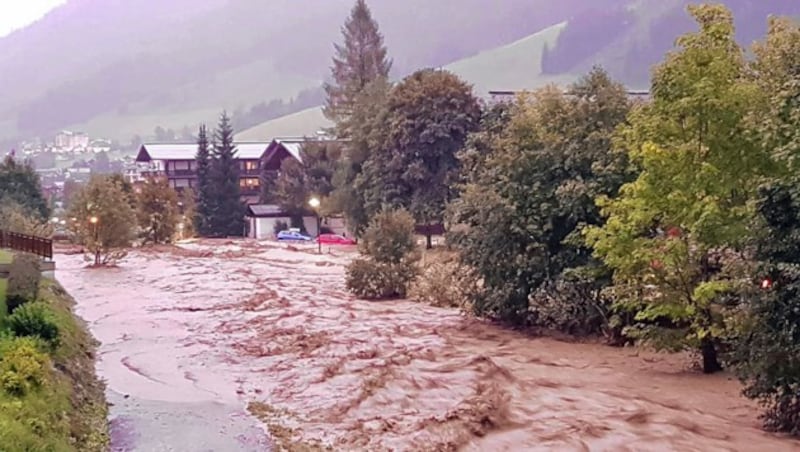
(192, 336)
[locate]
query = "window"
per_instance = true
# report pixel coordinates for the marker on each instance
(180, 183)
(249, 165)
(182, 165)
(249, 183)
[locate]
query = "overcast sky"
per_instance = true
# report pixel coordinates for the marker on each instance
(16, 14)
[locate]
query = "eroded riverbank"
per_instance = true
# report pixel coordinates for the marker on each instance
(231, 324)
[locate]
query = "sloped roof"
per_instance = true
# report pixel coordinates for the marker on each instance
(265, 210)
(293, 146)
(187, 151)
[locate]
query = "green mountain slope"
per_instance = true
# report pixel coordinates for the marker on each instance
(300, 124)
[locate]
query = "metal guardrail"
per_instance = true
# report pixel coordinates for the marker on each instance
(27, 243)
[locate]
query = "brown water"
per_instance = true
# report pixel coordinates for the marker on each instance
(234, 323)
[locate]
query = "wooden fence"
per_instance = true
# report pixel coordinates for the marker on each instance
(27, 244)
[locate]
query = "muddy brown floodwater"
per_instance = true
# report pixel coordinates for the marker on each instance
(193, 335)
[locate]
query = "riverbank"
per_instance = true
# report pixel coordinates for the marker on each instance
(244, 324)
(66, 408)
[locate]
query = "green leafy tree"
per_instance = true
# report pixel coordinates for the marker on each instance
(188, 213)
(227, 216)
(206, 201)
(667, 232)
(359, 61)
(16, 218)
(20, 184)
(367, 133)
(767, 354)
(102, 220)
(530, 180)
(430, 115)
(157, 211)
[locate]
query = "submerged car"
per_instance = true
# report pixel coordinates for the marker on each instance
(335, 239)
(293, 235)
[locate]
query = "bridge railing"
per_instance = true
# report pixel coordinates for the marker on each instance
(39, 246)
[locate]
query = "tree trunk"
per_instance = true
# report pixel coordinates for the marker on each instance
(428, 241)
(710, 362)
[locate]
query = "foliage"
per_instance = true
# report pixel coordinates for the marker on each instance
(20, 184)
(23, 367)
(157, 211)
(430, 115)
(227, 215)
(188, 213)
(298, 182)
(529, 181)
(445, 282)
(366, 134)
(373, 280)
(389, 237)
(35, 320)
(389, 262)
(359, 61)
(668, 230)
(104, 200)
(57, 402)
(205, 194)
(24, 276)
(16, 218)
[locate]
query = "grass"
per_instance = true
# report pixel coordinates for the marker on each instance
(67, 411)
(300, 124)
(5, 257)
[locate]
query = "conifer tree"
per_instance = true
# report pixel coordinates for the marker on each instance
(227, 217)
(359, 61)
(204, 198)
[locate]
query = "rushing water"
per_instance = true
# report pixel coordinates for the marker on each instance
(191, 336)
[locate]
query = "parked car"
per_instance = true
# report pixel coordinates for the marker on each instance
(335, 239)
(293, 235)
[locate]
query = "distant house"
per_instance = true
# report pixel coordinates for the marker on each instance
(177, 162)
(262, 218)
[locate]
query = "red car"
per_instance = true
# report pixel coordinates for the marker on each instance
(335, 239)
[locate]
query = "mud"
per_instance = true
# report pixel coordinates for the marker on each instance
(232, 324)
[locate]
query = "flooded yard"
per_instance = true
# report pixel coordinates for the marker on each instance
(192, 336)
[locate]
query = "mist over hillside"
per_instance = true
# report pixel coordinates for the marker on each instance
(118, 68)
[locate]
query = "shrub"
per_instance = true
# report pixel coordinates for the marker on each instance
(389, 237)
(279, 226)
(373, 280)
(446, 283)
(23, 366)
(35, 320)
(390, 262)
(24, 275)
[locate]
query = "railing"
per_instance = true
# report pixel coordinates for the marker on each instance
(181, 172)
(27, 243)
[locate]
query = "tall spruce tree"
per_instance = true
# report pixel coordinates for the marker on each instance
(227, 217)
(359, 61)
(205, 198)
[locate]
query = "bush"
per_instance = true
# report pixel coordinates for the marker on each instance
(24, 275)
(446, 283)
(279, 226)
(373, 280)
(23, 367)
(390, 263)
(389, 237)
(35, 320)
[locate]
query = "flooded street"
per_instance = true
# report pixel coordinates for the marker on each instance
(192, 336)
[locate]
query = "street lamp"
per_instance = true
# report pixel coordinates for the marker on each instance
(93, 220)
(314, 203)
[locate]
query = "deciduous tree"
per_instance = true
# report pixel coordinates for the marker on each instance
(667, 233)
(157, 211)
(20, 183)
(102, 220)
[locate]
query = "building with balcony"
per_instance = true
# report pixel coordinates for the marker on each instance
(176, 162)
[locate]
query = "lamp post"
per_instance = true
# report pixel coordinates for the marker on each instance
(94, 220)
(314, 203)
